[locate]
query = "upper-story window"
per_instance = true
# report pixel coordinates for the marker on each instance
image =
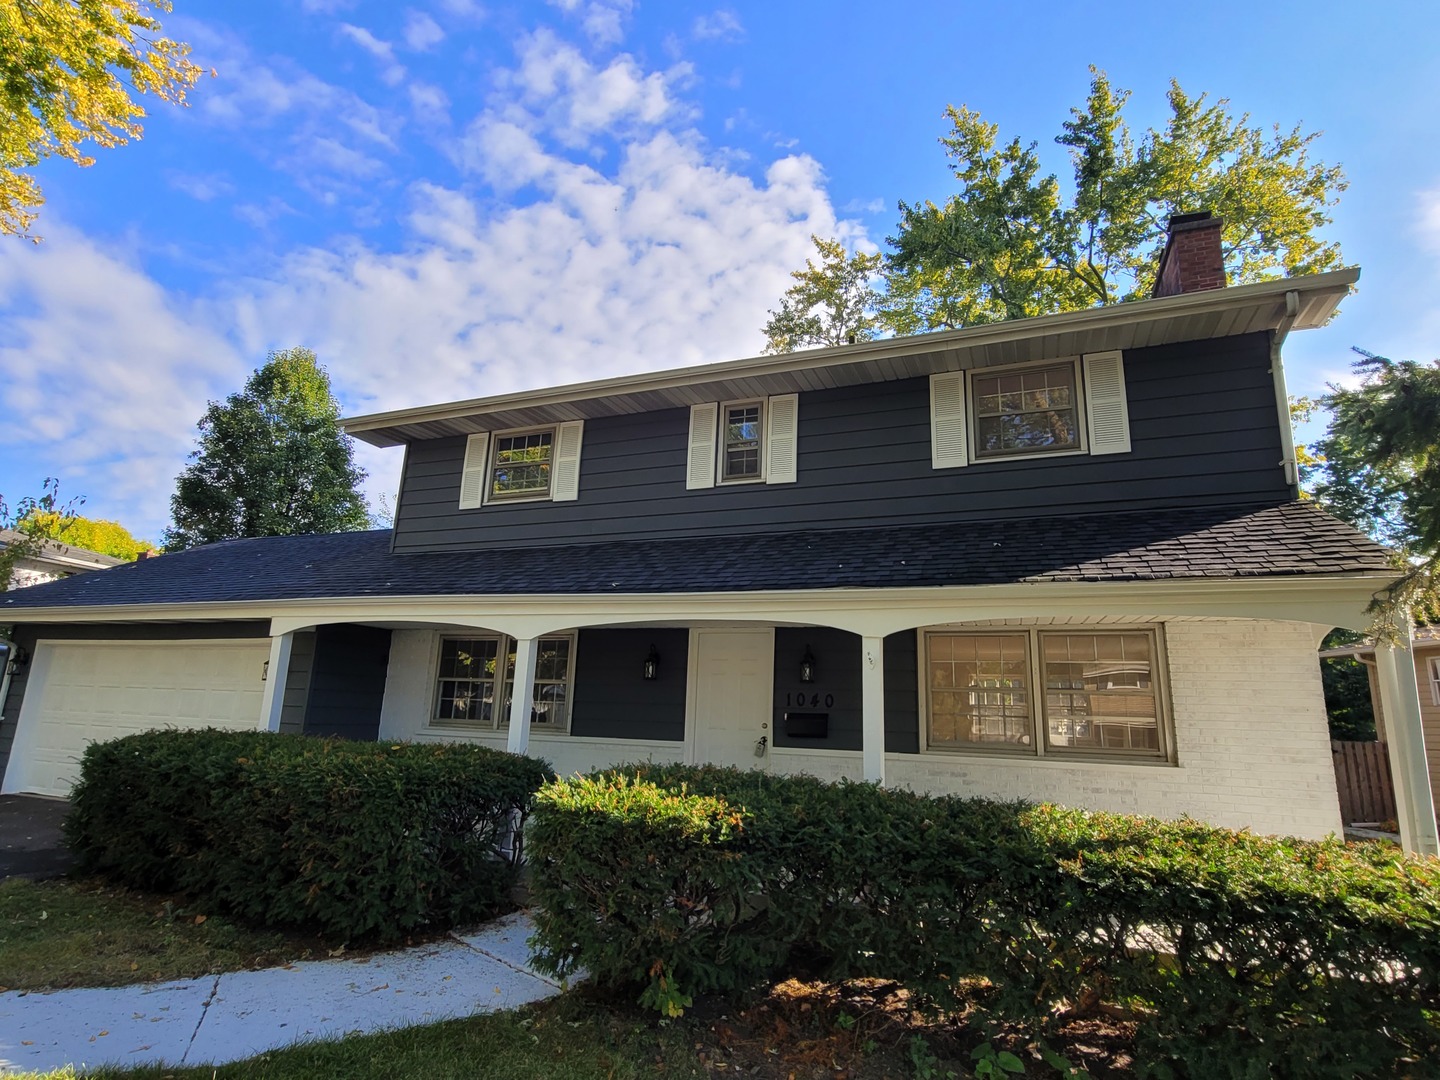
(521, 465)
(744, 442)
(527, 465)
(1072, 406)
(741, 430)
(1026, 411)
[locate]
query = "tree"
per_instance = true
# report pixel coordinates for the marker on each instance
(35, 522)
(67, 68)
(1013, 242)
(829, 304)
(1380, 471)
(272, 461)
(93, 534)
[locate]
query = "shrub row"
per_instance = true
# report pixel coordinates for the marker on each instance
(354, 840)
(1237, 955)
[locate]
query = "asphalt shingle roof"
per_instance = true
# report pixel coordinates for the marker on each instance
(1202, 542)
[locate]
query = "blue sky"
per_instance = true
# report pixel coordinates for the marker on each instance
(452, 198)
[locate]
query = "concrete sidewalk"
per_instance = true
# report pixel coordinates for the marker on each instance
(224, 1018)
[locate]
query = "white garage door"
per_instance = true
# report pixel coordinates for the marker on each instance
(83, 692)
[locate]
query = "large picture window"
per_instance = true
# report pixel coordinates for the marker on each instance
(1046, 693)
(474, 689)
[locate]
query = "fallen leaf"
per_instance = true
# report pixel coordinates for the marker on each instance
(200, 919)
(27, 1042)
(134, 966)
(104, 1033)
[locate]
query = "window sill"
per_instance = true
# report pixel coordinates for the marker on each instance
(1049, 761)
(996, 459)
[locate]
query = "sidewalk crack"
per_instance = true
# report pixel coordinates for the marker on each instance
(204, 1012)
(501, 960)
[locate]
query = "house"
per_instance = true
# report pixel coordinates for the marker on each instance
(54, 560)
(1055, 558)
(1425, 659)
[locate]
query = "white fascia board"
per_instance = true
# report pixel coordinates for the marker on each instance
(1334, 600)
(1337, 282)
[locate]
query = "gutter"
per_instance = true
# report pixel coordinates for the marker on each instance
(1288, 461)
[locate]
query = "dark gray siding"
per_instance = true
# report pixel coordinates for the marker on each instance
(837, 681)
(1203, 430)
(612, 698)
(297, 682)
(27, 636)
(347, 681)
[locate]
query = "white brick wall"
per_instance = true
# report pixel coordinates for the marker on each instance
(1251, 740)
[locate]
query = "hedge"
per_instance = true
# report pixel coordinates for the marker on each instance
(1237, 955)
(351, 839)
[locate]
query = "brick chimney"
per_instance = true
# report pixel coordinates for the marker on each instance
(1192, 260)
(142, 556)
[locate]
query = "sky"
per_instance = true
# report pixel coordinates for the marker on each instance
(449, 199)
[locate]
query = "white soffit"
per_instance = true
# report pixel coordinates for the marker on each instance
(1217, 313)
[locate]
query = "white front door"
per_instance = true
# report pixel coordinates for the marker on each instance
(734, 675)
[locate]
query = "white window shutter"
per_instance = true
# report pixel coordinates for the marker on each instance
(782, 432)
(1106, 412)
(472, 477)
(947, 420)
(565, 484)
(700, 463)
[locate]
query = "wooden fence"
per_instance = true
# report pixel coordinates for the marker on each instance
(1362, 775)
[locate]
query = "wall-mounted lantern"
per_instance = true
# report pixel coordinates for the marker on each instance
(652, 665)
(807, 666)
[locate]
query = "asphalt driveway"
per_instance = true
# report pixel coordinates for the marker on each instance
(30, 840)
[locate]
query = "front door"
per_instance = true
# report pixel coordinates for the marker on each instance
(733, 689)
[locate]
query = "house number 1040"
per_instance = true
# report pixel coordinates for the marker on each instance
(802, 699)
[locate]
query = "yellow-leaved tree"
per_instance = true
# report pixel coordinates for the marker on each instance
(68, 69)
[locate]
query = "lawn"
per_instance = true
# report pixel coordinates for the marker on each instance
(65, 933)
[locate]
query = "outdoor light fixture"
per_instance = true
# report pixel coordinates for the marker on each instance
(807, 666)
(652, 665)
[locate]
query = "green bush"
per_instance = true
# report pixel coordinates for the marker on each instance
(1239, 956)
(352, 839)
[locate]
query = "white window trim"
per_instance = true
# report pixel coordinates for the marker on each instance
(972, 418)
(500, 721)
(1435, 680)
(1038, 750)
(720, 479)
(488, 496)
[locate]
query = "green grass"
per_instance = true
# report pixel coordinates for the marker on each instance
(565, 1039)
(66, 933)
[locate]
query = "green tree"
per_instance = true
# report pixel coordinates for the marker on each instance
(829, 304)
(1014, 242)
(1346, 683)
(93, 534)
(272, 461)
(32, 524)
(67, 69)
(1380, 471)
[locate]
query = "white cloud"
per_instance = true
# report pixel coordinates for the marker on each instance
(105, 375)
(391, 70)
(864, 206)
(720, 25)
(429, 102)
(421, 31)
(562, 92)
(202, 187)
(602, 20)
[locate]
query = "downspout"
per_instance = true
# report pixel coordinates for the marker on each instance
(1288, 461)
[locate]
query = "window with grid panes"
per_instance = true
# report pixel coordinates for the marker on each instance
(520, 466)
(1026, 411)
(741, 431)
(1100, 692)
(467, 677)
(979, 691)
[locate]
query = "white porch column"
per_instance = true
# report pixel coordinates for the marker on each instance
(872, 704)
(1400, 702)
(272, 700)
(522, 702)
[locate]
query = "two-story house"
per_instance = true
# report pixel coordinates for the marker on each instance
(1059, 558)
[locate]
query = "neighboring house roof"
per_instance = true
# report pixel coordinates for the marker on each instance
(1209, 542)
(1212, 313)
(1422, 637)
(66, 558)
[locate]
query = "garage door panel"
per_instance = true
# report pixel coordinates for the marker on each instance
(83, 692)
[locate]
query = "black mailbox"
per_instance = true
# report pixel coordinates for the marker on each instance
(807, 725)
